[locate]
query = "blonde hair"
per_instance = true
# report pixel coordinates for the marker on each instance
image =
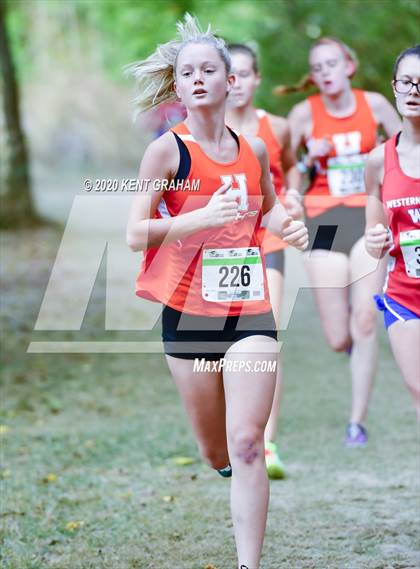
(306, 81)
(155, 76)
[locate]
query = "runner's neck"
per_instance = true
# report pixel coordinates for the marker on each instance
(244, 119)
(341, 105)
(207, 125)
(410, 134)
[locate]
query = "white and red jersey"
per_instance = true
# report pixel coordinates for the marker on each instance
(401, 198)
(200, 274)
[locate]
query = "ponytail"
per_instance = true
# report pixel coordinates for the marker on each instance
(155, 76)
(306, 82)
(303, 85)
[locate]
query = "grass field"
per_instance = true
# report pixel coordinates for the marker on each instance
(88, 441)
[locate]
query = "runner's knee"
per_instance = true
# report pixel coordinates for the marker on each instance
(364, 321)
(339, 342)
(247, 443)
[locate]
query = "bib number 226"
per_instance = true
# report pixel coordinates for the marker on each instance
(239, 276)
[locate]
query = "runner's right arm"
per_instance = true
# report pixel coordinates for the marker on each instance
(377, 236)
(300, 121)
(160, 162)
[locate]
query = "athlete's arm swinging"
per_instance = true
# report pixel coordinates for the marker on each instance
(276, 219)
(160, 162)
(377, 237)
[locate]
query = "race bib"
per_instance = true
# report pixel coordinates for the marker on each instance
(410, 248)
(346, 175)
(232, 274)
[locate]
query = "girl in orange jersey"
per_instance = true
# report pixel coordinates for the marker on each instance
(203, 263)
(339, 126)
(274, 131)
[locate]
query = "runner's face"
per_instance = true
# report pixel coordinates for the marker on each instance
(201, 79)
(330, 71)
(246, 81)
(408, 104)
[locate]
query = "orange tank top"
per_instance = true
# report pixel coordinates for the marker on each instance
(270, 242)
(217, 271)
(339, 178)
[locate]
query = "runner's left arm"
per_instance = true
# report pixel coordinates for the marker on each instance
(293, 178)
(276, 219)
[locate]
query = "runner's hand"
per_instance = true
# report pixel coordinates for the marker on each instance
(221, 209)
(295, 233)
(378, 240)
(318, 147)
(293, 205)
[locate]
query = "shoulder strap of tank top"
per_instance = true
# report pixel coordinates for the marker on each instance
(317, 106)
(184, 159)
(362, 105)
(265, 127)
(390, 153)
(182, 134)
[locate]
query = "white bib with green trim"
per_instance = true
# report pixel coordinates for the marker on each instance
(410, 248)
(345, 175)
(232, 274)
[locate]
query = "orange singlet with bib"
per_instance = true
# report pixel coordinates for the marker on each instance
(336, 198)
(272, 246)
(215, 276)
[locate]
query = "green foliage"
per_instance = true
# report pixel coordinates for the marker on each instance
(111, 33)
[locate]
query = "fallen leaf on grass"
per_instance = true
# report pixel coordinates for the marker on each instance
(72, 526)
(168, 498)
(183, 460)
(51, 477)
(210, 567)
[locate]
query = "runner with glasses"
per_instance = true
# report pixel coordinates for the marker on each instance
(393, 221)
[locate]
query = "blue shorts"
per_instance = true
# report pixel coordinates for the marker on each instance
(393, 311)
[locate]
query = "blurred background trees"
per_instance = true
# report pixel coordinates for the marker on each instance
(69, 56)
(15, 196)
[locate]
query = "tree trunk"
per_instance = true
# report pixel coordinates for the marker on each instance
(16, 208)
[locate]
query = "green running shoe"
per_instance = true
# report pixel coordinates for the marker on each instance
(275, 467)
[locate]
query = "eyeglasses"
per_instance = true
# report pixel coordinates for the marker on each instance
(403, 86)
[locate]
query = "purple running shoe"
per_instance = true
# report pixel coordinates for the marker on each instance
(356, 435)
